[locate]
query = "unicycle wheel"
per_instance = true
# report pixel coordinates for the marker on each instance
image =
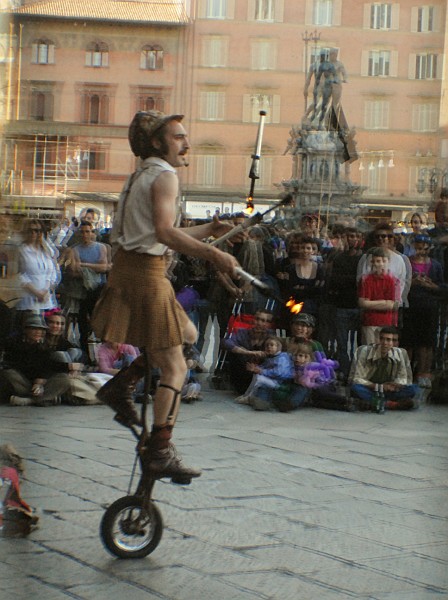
(129, 529)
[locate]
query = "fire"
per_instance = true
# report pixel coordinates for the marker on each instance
(294, 307)
(249, 205)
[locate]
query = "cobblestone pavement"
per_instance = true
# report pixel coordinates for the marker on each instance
(312, 505)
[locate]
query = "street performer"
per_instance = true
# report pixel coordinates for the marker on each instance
(138, 305)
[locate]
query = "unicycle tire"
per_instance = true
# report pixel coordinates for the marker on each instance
(129, 529)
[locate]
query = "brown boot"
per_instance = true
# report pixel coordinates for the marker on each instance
(117, 393)
(161, 459)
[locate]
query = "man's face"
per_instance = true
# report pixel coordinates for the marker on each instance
(34, 335)
(379, 264)
(262, 321)
(352, 240)
(86, 234)
(89, 217)
(384, 238)
(386, 342)
(177, 144)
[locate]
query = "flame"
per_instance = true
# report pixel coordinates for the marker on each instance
(294, 307)
(249, 205)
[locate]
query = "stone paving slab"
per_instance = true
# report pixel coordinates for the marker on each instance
(312, 505)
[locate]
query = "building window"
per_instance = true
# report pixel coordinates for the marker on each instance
(265, 172)
(216, 9)
(95, 108)
(209, 170)
(96, 159)
(214, 51)
(426, 66)
(212, 105)
(42, 52)
(323, 12)
(264, 10)
(151, 103)
(425, 18)
(425, 117)
(97, 55)
(151, 58)
(253, 103)
(376, 114)
(263, 55)
(379, 63)
(381, 16)
(41, 106)
(374, 177)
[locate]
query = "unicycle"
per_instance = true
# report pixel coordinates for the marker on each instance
(132, 526)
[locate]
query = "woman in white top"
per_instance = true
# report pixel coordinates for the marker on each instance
(37, 270)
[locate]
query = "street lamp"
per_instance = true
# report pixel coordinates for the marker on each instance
(429, 179)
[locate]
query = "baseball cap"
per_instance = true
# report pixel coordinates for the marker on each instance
(304, 318)
(35, 322)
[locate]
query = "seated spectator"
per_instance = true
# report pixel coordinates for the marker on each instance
(379, 296)
(55, 340)
(246, 345)
(191, 389)
(113, 356)
(384, 364)
(302, 328)
(31, 376)
(267, 376)
(299, 391)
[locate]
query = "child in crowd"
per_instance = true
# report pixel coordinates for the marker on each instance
(191, 389)
(379, 297)
(298, 392)
(274, 370)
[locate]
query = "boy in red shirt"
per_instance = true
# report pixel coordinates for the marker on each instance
(379, 297)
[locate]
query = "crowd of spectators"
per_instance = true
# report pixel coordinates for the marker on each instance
(356, 288)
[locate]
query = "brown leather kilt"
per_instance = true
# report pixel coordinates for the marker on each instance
(138, 305)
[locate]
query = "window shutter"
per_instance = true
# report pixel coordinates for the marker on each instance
(275, 117)
(309, 12)
(251, 10)
(395, 20)
(105, 61)
(202, 8)
(230, 13)
(34, 53)
(247, 110)
(365, 63)
(366, 18)
(412, 61)
(50, 54)
(439, 66)
(142, 60)
(414, 19)
(221, 106)
(437, 19)
(337, 12)
(278, 11)
(394, 63)
(49, 105)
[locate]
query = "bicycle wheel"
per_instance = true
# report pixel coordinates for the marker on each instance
(129, 529)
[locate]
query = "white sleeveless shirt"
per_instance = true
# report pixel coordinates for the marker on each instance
(134, 230)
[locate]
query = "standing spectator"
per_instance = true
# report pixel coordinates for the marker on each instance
(439, 233)
(89, 263)
(387, 365)
(418, 223)
(305, 278)
(379, 296)
(421, 318)
(342, 290)
(37, 271)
